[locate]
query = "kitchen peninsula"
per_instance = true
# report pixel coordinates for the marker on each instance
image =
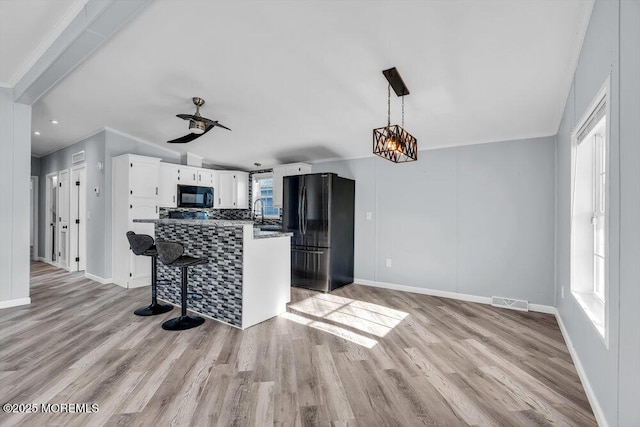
(247, 279)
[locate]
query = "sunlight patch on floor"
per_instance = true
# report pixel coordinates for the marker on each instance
(364, 316)
(331, 329)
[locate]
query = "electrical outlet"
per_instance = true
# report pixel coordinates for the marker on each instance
(388, 262)
(562, 292)
(369, 216)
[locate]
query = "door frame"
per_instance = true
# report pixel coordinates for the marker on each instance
(78, 206)
(58, 228)
(48, 244)
(34, 211)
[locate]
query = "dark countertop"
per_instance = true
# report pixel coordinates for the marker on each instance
(257, 233)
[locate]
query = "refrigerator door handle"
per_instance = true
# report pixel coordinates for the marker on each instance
(307, 252)
(304, 210)
(300, 209)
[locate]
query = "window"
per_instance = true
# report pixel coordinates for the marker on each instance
(589, 212)
(263, 191)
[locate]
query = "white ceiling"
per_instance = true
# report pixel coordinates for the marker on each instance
(27, 28)
(302, 81)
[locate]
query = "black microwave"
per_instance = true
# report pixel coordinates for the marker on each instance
(192, 196)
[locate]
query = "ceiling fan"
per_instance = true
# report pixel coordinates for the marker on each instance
(198, 125)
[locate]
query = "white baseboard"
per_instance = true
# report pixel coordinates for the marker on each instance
(15, 302)
(593, 400)
(446, 294)
(98, 279)
(41, 259)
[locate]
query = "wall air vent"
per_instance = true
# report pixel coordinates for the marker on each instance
(77, 157)
(513, 304)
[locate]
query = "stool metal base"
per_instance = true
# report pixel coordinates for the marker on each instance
(183, 322)
(153, 309)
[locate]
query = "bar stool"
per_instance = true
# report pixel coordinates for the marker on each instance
(171, 255)
(142, 244)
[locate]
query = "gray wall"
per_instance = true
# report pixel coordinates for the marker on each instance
(93, 148)
(476, 220)
(98, 148)
(612, 373)
(35, 166)
(15, 151)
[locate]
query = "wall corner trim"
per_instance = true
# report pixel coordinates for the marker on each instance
(98, 279)
(15, 302)
(445, 294)
(593, 400)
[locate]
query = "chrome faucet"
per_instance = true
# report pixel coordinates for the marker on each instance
(253, 212)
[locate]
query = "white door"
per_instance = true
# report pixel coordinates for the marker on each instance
(78, 219)
(226, 190)
(63, 219)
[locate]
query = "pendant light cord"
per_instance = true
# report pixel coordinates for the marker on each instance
(389, 105)
(402, 111)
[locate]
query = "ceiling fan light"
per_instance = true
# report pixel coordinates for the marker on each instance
(196, 127)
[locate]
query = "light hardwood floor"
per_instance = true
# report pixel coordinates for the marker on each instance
(359, 356)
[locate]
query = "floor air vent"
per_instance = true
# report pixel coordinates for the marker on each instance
(513, 304)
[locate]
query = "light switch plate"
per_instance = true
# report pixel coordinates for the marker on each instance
(369, 216)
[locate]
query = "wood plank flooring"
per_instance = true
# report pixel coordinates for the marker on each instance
(359, 356)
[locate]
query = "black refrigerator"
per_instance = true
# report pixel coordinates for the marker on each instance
(318, 209)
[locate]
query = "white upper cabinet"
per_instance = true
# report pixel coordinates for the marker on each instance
(279, 172)
(143, 181)
(168, 185)
(188, 175)
(206, 177)
(233, 190)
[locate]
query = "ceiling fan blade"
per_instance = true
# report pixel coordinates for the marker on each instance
(187, 117)
(189, 137)
(213, 123)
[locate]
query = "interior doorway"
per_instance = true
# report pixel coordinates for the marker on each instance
(51, 218)
(78, 220)
(33, 219)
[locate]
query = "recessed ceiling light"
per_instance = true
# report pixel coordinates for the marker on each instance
(36, 133)
(55, 122)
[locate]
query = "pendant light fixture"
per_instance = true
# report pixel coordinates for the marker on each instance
(393, 142)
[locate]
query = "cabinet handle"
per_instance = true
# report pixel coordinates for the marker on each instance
(156, 209)
(219, 201)
(156, 191)
(174, 199)
(194, 176)
(130, 206)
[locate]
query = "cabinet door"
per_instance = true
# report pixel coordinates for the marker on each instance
(226, 190)
(140, 266)
(205, 177)
(188, 175)
(143, 179)
(242, 190)
(278, 174)
(168, 185)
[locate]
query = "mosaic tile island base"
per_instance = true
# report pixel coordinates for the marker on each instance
(247, 279)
